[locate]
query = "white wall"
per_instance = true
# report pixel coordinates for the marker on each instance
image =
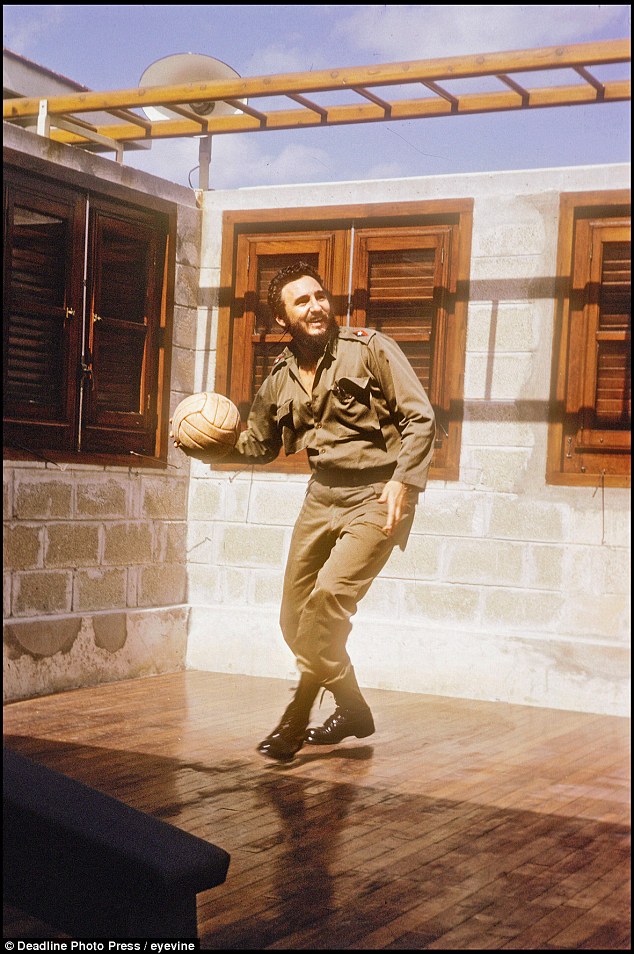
(509, 589)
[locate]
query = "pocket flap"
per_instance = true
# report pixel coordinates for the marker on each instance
(346, 387)
(285, 413)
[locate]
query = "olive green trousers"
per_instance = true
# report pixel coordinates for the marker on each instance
(337, 549)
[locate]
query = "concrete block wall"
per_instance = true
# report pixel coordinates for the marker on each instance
(94, 575)
(95, 579)
(509, 589)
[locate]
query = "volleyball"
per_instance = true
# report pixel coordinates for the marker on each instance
(206, 424)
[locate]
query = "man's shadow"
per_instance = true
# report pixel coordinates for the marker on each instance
(313, 824)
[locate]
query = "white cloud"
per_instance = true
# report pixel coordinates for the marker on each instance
(385, 170)
(249, 160)
(173, 159)
(236, 162)
(419, 31)
(283, 58)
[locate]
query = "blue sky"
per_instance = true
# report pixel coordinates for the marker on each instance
(109, 47)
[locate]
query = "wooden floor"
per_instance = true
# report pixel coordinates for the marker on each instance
(459, 825)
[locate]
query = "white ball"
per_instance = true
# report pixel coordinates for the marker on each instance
(206, 424)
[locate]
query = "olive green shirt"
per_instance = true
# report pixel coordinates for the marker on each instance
(367, 411)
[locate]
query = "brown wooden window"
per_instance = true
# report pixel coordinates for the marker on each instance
(404, 274)
(590, 435)
(83, 316)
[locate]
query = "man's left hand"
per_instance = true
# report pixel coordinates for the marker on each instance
(395, 495)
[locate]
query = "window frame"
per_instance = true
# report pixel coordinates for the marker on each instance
(577, 208)
(159, 217)
(265, 223)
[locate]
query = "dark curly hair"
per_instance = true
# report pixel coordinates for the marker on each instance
(288, 274)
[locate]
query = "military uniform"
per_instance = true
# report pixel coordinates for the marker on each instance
(368, 420)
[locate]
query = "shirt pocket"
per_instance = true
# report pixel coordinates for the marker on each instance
(352, 403)
(289, 426)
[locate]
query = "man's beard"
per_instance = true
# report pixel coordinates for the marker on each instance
(312, 346)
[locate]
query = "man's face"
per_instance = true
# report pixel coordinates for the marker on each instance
(308, 312)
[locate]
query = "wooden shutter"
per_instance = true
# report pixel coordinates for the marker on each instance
(598, 385)
(42, 314)
(257, 338)
(401, 284)
(407, 270)
(121, 342)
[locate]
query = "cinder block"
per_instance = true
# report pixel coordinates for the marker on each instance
(7, 494)
(267, 588)
(127, 543)
(99, 589)
(252, 546)
(382, 601)
(277, 503)
(183, 370)
(188, 239)
(503, 469)
(6, 594)
(22, 546)
(206, 500)
(204, 585)
(105, 497)
(72, 544)
(184, 328)
(234, 582)
(207, 321)
(441, 602)
(545, 566)
(186, 285)
(201, 546)
(497, 377)
(498, 424)
(618, 570)
(42, 592)
(523, 610)
(522, 519)
(164, 498)
(205, 372)
(515, 225)
(419, 561)
(496, 327)
(491, 562)
(40, 496)
(170, 542)
(447, 513)
(162, 585)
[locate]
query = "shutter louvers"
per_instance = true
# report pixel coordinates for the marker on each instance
(120, 403)
(41, 338)
(35, 343)
(613, 377)
(400, 295)
(269, 339)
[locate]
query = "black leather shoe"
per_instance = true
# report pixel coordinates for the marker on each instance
(284, 741)
(288, 737)
(340, 725)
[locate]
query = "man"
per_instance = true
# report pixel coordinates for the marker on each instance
(352, 400)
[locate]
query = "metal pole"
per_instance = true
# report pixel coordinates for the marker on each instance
(204, 160)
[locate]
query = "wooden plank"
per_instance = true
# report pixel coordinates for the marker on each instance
(456, 67)
(459, 825)
(468, 104)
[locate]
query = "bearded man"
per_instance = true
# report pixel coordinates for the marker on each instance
(350, 398)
